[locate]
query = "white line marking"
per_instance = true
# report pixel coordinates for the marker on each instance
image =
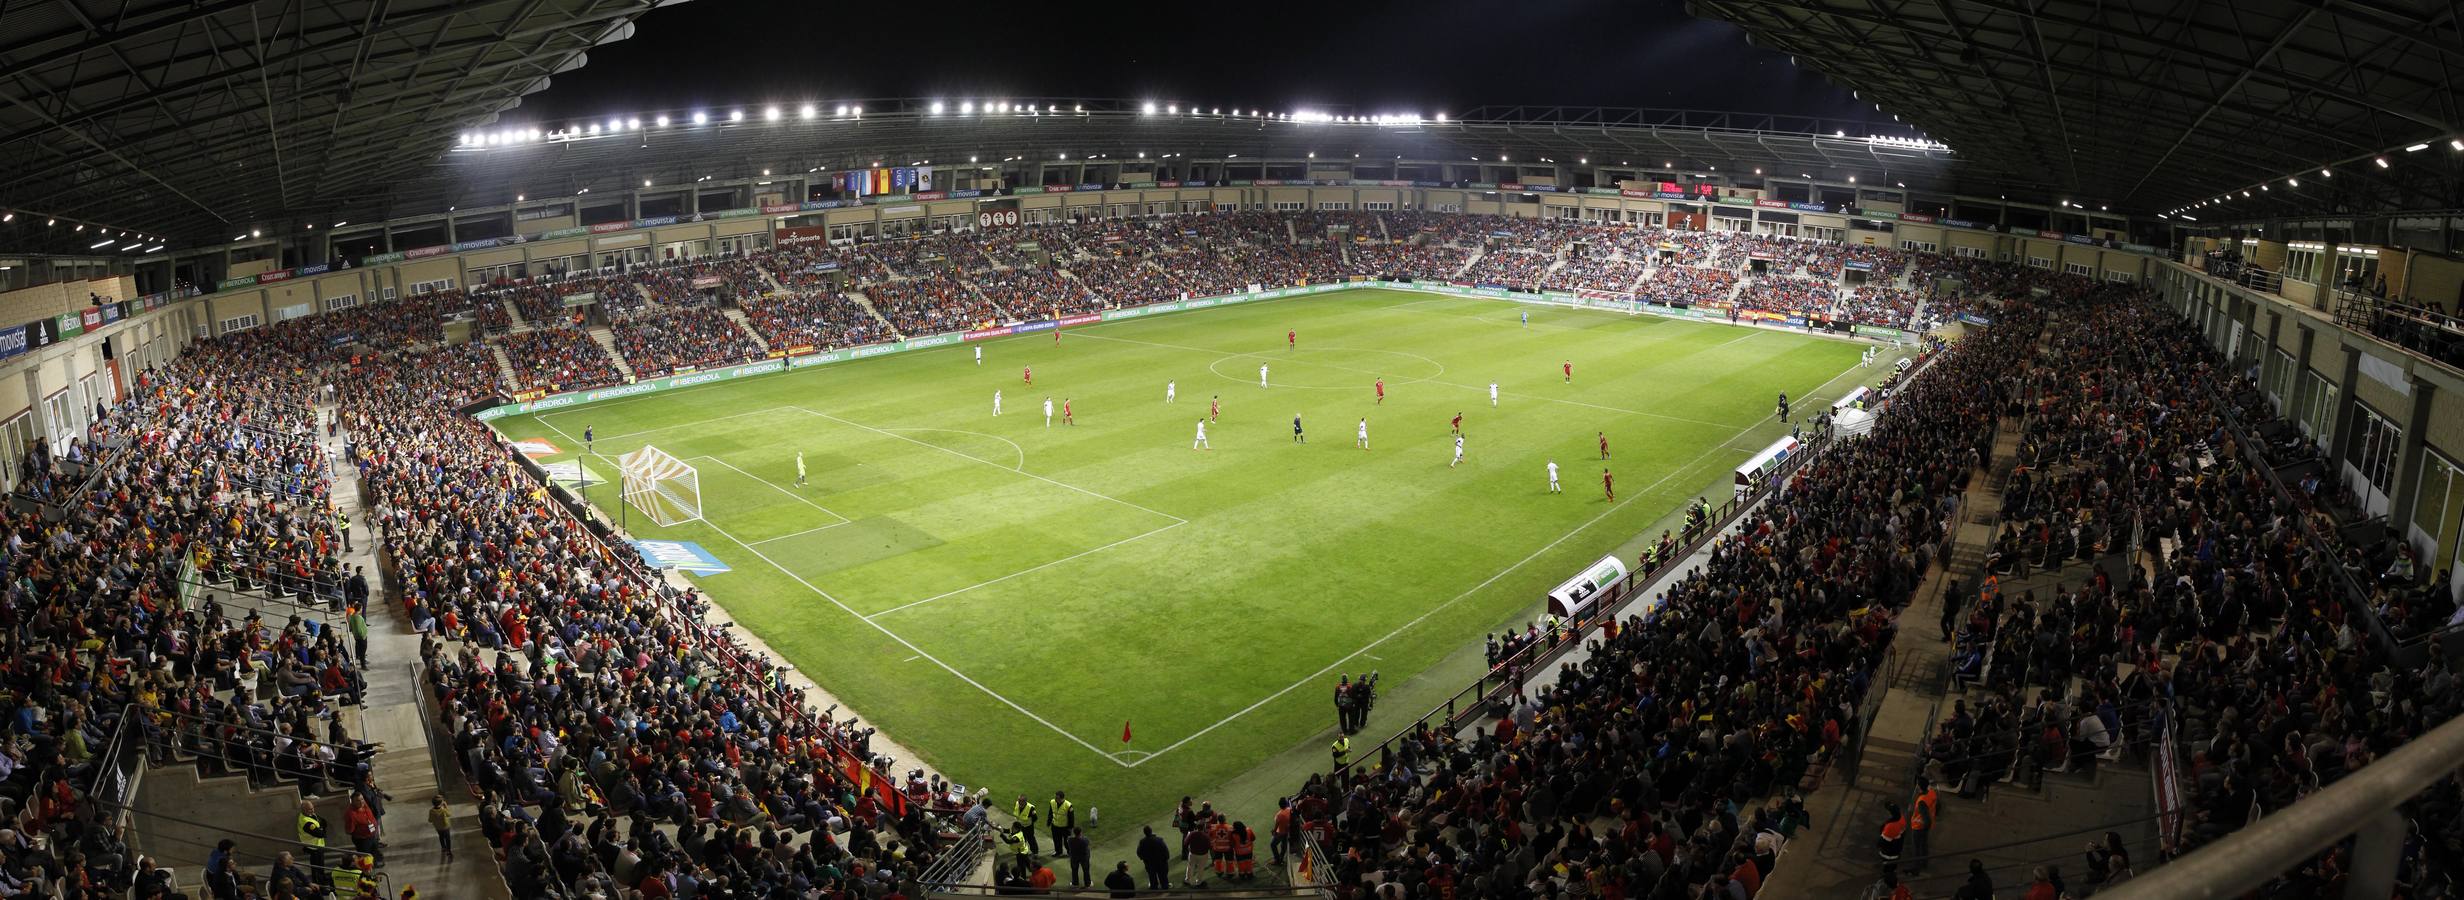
(988, 462)
(838, 524)
(912, 658)
(1365, 648)
(1022, 451)
(1024, 571)
(919, 651)
(800, 498)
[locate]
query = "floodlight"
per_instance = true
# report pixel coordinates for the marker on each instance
(701, 118)
(770, 115)
(735, 115)
(662, 120)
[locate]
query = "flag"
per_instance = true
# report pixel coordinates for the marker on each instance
(1124, 731)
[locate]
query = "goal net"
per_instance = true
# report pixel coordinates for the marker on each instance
(661, 486)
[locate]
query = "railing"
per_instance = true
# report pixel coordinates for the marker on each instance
(2356, 601)
(2364, 805)
(958, 860)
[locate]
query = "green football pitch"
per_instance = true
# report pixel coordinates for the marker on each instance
(1004, 596)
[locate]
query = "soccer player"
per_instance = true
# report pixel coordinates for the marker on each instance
(1027, 373)
(1554, 488)
(1200, 443)
(1066, 417)
(1171, 390)
(1458, 451)
(1381, 392)
(1048, 412)
(1458, 424)
(1214, 408)
(1569, 367)
(1291, 340)
(1261, 374)
(1608, 483)
(1527, 318)
(979, 354)
(1297, 438)
(1603, 445)
(1363, 440)
(996, 402)
(1056, 335)
(586, 439)
(799, 468)
(1783, 407)
(1492, 395)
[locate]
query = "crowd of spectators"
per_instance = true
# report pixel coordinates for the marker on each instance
(1879, 304)
(1129, 281)
(1512, 267)
(1595, 273)
(821, 319)
(1690, 729)
(558, 359)
(657, 342)
(1418, 262)
(931, 303)
(1670, 284)
(1788, 295)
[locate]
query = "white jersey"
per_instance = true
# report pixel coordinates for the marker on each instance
(979, 353)
(1552, 473)
(996, 403)
(1492, 393)
(1458, 446)
(1261, 376)
(1170, 388)
(1202, 431)
(1047, 409)
(1364, 429)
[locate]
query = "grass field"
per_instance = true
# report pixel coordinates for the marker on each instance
(1003, 596)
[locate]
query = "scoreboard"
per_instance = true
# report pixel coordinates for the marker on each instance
(1002, 213)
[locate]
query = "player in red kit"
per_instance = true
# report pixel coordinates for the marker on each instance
(1458, 423)
(1027, 373)
(1291, 340)
(1569, 367)
(1603, 445)
(1608, 483)
(1381, 392)
(1214, 409)
(1066, 418)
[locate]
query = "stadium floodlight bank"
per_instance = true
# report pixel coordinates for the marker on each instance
(663, 487)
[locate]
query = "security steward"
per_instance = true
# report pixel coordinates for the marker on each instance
(1061, 817)
(1027, 816)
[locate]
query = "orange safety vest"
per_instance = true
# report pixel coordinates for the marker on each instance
(1244, 843)
(1922, 817)
(1219, 837)
(1891, 830)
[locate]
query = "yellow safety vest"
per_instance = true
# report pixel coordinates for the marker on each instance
(1017, 841)
(1064, 814)
(1025, 812)
(308, 837)
(1343, 750)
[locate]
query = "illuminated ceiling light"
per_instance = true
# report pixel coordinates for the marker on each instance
(255, 233)
(1582, 161)
(1852, 179)
(615, 125)
(859, 111)
(2323, 173)
(342, 223)
(1441, 117)
(581, 192)
(8, 217)
(517, 198)
(633, 123)
(770, 115)
(81, 227)
(807, 111)
(735, 115)
(936, 107)
(842, 110)
(2416, 148)
(106, 242)
(1079, 107)
(594, 128)
(701, 118)
(240, 237)
(971, 159)
(967, 107)
(1147, 109)
(662, 120)
(2457, 144)
(645, 182)
(2292, 182)
(2381, 161)
(1174, 109)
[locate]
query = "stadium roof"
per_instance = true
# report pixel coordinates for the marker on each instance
(2158, 106)
(190, 118)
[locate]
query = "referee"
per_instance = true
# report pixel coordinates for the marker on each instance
(1297, 437)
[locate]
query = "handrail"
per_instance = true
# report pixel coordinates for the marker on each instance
(2362, 804)
(958, 860)
(2356, 600)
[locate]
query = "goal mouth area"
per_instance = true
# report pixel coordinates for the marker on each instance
(667, 489)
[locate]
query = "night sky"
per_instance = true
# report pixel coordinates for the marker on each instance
(1371, 56)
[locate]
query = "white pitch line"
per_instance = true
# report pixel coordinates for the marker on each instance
(1024, 571)
(1022, 451)
(800, 498)
(988, 462)
(838, 524)
(1458, 598)
(919, 651)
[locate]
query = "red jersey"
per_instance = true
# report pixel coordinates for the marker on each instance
(1608, 481)
(1381, 387)
(1569, 369)
(1291, 337)
(1458, 422)
(1064, 409)
(1604, 445)
(1027, 373)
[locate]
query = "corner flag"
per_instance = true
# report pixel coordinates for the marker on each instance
(1124, 731)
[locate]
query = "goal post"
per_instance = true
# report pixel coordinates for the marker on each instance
(663, 487)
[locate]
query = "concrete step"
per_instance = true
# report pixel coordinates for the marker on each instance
(737, 316)
(606, 339)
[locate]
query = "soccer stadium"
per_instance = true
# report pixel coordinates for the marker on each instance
(1825, 450)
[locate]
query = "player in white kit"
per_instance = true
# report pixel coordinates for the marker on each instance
(1363, 440)
(979, 354)
(1200, 443)
(1047, 412)
(996, 403)
(1261, 374)
(1458, 452)
(1171, 389)
(1492, 394)
(1553, 486)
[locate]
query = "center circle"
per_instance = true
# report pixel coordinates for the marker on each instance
(1329, 368)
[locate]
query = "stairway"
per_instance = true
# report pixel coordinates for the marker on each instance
(1470, 261)
(736, 315)
(1290, 233)
(1382, 233)
(866, 303)
(513, 312)
(606, 337)
(504, 366)
(768, 278)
